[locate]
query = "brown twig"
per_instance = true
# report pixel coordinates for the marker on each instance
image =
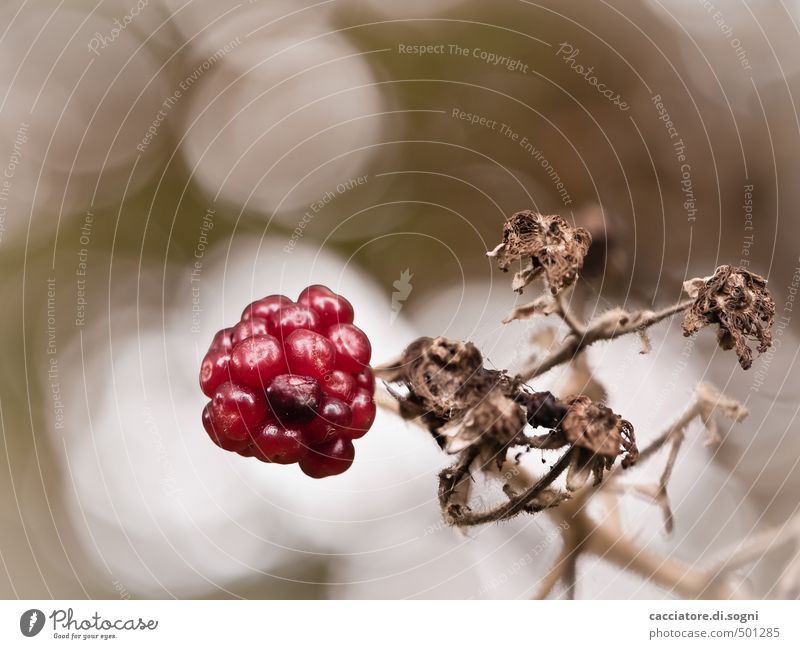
(535, 497)
(611, 324)
(577, 326)
(583, 534)
(761, 544)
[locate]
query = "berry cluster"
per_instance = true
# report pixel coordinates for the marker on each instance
(291, 382)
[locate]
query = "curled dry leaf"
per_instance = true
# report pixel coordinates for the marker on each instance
(549, 243)
(736, 300)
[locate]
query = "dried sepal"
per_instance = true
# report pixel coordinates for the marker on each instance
(548, 243)
(584, 465)
(736, 300)
(543, 410)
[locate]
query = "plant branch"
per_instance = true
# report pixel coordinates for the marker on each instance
(557, 572)
(568, 315)
(534, 498)
(581, 533)
(607, 326)
(761, 544)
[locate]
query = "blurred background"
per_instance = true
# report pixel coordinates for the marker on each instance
(164, 162)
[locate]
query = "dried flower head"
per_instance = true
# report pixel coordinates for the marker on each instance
(552, 245)
(739, 302)
(597, 435)
(596, 428)
(440, 375)
(461, 402)
(495, 423)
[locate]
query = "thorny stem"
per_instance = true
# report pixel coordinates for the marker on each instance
(527, 501)
(609, 542)
(609, 325)
(557, 572)
(454, 485)
(568, 315)
(675, 434)
(453, 480)
(760, 544)
(581, 532)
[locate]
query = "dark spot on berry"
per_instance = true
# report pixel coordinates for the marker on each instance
(294, 399)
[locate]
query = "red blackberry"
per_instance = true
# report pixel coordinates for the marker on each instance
(214, 371)
(265, 307)
(331, 458)
(249, 328)
(294, 399)
(353, 350)
(331, 308)
(340, 385)
(292, 317)
(291, 382)
(333, 419)
(255, 361)
(310, 354)
(236, 411)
